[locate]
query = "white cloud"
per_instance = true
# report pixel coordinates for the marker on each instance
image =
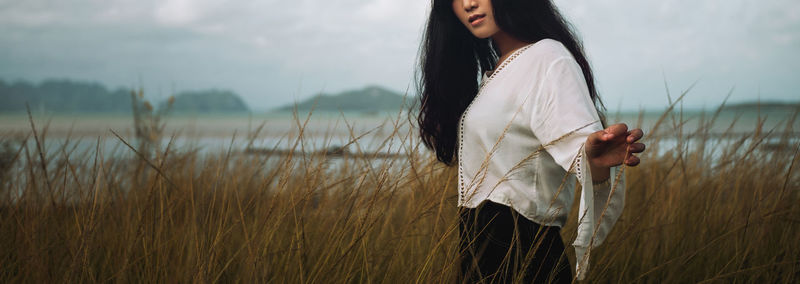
(394, 11)
(177, 12)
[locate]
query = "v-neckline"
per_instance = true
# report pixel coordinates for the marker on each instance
(490, 74)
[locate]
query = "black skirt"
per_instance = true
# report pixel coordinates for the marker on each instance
(497, 245)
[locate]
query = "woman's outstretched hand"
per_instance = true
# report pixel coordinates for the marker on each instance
(612, 147)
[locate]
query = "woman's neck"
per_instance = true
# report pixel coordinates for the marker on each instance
(507, 44)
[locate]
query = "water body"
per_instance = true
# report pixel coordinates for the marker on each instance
(356, 132)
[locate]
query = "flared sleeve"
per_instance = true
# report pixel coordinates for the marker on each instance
(563, 115)
(600, 207)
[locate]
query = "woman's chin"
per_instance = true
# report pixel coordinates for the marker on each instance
(483, 33)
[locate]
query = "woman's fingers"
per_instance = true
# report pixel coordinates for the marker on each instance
(636, 148)
(616, 130)
(617, 137)
(635, 135)
(632, 161)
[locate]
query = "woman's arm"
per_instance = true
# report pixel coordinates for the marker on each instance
(564, 118)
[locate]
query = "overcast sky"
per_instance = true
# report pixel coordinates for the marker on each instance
(274, 52)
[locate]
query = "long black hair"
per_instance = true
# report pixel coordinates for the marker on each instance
(452, 59)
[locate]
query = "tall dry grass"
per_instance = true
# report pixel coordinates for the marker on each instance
(698, 210)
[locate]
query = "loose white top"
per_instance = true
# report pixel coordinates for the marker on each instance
(522, 137)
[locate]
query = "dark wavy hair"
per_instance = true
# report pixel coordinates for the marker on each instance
(452, 59)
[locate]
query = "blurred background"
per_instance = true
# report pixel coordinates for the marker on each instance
(265, 141)
(253, 60)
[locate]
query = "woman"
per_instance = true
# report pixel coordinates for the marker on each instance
(517, 133)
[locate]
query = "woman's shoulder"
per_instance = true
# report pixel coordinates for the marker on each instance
(546, 51)
(538, 58)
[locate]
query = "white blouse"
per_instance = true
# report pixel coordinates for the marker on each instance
(523, 135)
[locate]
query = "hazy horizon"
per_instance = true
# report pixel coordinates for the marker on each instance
(162, 98)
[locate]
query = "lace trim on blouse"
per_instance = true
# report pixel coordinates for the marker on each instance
(461, 186)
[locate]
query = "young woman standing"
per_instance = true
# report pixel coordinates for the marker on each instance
(508, 95)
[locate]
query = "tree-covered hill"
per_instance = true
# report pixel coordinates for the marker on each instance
(62, 96)
(210, 101)
(371, 98)
(65, 96)
(763, 106)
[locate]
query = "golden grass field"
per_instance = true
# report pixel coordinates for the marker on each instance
(705, 210)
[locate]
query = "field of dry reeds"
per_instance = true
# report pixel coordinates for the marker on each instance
(698, 209)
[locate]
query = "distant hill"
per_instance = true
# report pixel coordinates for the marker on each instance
(764, 106)
(210, 101)
(65, 96)
(369, 99)
(62, 96)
